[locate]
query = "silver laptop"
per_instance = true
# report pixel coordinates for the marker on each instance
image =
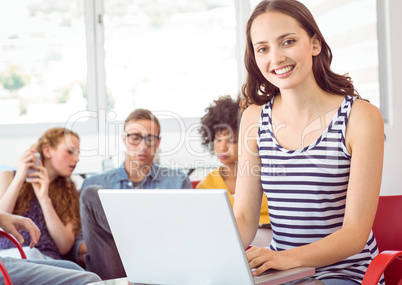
(167, 236)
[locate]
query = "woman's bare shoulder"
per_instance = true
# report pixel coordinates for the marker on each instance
(6, 174)
(365, 113)
(252, 114)
(365, 123)
(6, 177)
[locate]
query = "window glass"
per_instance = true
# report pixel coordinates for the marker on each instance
(42, 61)
(350, 29)
(164, 55)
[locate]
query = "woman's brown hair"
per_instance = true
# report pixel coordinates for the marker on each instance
(62, 190)
(257, 90)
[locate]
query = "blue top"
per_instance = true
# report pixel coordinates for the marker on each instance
(46, 244)
(158, 178)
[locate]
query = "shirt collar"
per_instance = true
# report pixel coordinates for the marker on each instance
(153, 173)
(122, 174)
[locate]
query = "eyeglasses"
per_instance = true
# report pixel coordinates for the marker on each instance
(135, 139)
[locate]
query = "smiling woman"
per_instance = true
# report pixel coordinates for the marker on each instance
(275, 44)
(354, 42)
(318, 148)
(50, 198)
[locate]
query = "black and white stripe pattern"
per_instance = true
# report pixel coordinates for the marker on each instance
(306, 191)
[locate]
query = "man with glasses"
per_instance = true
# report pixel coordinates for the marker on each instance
(142, 138)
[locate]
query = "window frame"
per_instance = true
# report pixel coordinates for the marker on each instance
(96, 88)
(96, 72)
(384, 60)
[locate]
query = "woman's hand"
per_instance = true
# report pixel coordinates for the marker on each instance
(13, 223)
(26, 160)
(41, 183)
(261, 259)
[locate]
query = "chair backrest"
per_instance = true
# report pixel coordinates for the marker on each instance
(15, 242)
(6, 276)
(387, 230)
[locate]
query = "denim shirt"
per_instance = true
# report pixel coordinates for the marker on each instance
(158, 178)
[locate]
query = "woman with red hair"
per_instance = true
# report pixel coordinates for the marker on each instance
(50, 198)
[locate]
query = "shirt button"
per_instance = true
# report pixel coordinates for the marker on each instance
(130, 184)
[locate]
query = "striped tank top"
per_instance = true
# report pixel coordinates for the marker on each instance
(306, 191)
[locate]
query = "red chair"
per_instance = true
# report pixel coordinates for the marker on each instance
(3, 269)
(387, 230)
(195, 183)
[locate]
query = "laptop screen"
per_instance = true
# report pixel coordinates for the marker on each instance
(178, 236)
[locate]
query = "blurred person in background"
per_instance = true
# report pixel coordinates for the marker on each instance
(219, 132)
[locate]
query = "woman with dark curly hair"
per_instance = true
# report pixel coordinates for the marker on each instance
(219, 132)
(50, 198)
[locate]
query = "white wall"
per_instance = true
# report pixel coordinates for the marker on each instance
(393, 129)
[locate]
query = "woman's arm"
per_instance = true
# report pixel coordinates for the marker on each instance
(9, 190)
(62, 235)
(248, 184)
(13, 224)
(365, 142)
(10, 185)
